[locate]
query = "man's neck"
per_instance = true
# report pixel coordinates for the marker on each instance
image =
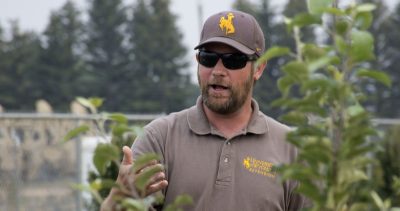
(230, 124)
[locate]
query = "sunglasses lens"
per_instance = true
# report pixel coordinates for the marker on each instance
(234, 61)
(208, 59)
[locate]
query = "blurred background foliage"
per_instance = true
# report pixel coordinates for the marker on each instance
(132, 56)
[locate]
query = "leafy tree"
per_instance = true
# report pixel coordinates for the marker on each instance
(19, 57)
(60, 61)
(161, 83)
(265, 90)
(321, 90)
(390, 164)
(107, 54)
(385, 102)
(275, 33)
(299, 7)
(107, 158)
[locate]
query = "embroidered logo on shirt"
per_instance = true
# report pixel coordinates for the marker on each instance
(259, 167)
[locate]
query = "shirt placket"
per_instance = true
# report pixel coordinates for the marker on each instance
(225, 169)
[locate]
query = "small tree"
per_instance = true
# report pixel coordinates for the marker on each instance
(107, 158)
(321, 89)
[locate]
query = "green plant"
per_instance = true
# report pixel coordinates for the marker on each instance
(389, 160)
(107, 158)
(321, 91)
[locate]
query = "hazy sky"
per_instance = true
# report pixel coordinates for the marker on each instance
(34, 15)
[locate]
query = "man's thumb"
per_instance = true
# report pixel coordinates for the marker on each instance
(128, 157)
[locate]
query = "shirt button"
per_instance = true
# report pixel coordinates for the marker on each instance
(229, 143)
(226, 159)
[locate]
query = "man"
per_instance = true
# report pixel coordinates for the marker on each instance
(222, 150)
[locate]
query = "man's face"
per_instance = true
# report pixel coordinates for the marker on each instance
(224, 91)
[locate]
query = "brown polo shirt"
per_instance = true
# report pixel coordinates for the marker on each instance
(220, 173)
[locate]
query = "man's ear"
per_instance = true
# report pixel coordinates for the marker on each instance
(259, 69)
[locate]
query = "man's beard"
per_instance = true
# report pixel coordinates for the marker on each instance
(238, 96)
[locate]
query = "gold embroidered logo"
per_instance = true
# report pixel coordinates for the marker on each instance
(259, 167)
(227, 24)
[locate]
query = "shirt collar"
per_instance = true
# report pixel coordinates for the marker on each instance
(200, 125)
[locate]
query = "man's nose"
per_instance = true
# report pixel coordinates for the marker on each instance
(219, 69)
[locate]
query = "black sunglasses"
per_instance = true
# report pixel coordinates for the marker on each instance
(232, 61)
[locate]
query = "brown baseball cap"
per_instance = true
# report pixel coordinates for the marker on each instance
(234, 28)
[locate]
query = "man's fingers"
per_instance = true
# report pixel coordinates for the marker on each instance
(156, 178)
(128, 157)
(156, 187)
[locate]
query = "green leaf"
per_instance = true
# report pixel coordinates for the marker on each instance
(295, 118)
(312, 52)
(143, 179)
(144, 160)
(104, 154)
(284, 84)
(316, 153)
(76, 132)
(376, 75)
(118, 117)
(355, 110)
(310, 190)
(288, 22)
(319, 63)
(341, 45)
(297, 70)
(179, 201)
(281, 102)
(120, 130)
(351, 175)
(96, 102)
(82, 187)
(317, 82)
(183, 200)
(87, 103)
(305, 19)
(362, 46)
(134, 204)
(91, 103)
(363, 20)
(342, 26)
(95, 185)
(99, 184)
(359, 207)
(396, 184)
(89, 189)
(317, 7)
(297, 172)
(138, 131)
(365, 7)
(273, 52)
(334, 11)
(378, 201)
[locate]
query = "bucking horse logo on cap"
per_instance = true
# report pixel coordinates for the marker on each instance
(227, 24)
